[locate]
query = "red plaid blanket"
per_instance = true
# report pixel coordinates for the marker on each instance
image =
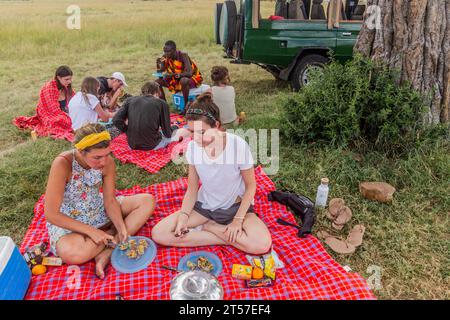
(49, 120)
(309, 273)
(151, 160)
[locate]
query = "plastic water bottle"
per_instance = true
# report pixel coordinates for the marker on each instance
(322, 193)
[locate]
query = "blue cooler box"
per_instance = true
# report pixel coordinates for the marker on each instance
(178, 99)
(15, 276)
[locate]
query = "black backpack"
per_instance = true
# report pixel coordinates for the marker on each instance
(299, 205)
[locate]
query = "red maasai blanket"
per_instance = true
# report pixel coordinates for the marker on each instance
(151, 160)
(49, 120)
(309, 272)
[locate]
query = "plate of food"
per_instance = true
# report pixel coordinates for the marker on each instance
(133, 255)
(201, 260)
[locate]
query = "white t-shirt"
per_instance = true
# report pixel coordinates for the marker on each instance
(224, 97)
(221, 178)
(81, 112)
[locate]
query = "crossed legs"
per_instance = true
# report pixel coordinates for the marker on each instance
(76, 248)
(255, 238)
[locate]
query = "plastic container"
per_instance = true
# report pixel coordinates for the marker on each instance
(322, 193)
(178, 99)
(15, 276)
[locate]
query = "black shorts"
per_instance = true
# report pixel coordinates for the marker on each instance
(221, 216)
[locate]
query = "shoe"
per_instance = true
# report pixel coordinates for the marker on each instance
(336, 244)
(355, 237)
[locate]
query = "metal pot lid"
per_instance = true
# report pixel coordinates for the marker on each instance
(195, 285)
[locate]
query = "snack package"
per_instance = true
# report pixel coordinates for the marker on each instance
(243, 272)
(259, 283)
(267, 263)
(52, 261)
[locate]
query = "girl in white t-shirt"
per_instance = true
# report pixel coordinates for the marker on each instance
(221, 210)
(85, 107)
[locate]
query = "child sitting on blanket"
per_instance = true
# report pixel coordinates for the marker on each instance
(221, 210)
(81, 220)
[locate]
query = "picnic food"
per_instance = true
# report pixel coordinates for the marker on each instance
(266, 263)
(52, 261)
(257, 273)
(259, 283)
(133, 249)
(38, 270)
(243, 272)
(202, 264)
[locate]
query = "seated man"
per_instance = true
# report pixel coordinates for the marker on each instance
(146, 120)
(181, 73)
(111, 89)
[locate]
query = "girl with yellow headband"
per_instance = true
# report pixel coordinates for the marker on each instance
(81, 219)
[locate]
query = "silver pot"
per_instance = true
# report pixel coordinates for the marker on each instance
(195, 285)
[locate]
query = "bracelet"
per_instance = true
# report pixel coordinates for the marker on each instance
(184, 213)
(239, 218)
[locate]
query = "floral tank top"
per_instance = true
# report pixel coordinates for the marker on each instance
(83, 200)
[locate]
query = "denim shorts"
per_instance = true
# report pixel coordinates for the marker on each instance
(221, 216)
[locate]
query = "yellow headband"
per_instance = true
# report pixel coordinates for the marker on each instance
(92, 139)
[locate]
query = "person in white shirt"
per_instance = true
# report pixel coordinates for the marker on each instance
(85, 106)
(224, 95)
(221, 210)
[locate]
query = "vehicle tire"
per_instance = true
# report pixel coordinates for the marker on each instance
(299, 76)
(217, 14)
(227, 25)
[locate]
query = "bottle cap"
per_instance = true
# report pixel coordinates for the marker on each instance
(324, 180)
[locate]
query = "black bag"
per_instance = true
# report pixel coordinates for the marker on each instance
(300, 205)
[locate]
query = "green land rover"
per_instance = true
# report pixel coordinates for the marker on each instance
(288, 37)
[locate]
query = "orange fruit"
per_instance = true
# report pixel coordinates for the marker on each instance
(38, 269)
(257, 273)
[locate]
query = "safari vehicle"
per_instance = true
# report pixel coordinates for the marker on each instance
(299, 35)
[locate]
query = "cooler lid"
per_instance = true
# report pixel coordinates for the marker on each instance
(6, 248)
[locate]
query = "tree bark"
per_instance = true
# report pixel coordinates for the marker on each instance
(413, 37)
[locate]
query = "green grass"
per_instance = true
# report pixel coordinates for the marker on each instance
(409, 239)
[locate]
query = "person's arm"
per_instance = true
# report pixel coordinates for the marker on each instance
(234, 229)
(250, 189)
(187, 72)
(113, 102)
(102, 114)
(165, 119)
(160, 62)
(54, 196)
(112, 206)
(120, 118)
(190, 196)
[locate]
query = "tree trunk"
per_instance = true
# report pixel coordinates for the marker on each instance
(413, 36)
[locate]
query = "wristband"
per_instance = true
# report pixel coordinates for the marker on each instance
(240, 218)
(184, 213)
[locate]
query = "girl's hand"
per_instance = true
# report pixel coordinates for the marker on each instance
(122, 234)
(100, 237)
(234, 229)
(181, 227)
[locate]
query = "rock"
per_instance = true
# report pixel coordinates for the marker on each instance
(379, 191)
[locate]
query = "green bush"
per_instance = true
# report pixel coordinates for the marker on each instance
(358, 101)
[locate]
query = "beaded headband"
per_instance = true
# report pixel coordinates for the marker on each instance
(200, 112)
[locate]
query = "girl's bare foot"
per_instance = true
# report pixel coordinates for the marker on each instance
(101, 262)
